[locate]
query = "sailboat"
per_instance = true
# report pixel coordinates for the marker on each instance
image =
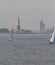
(52, 39)
(11, 36)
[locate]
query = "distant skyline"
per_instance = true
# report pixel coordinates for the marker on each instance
(31, 12)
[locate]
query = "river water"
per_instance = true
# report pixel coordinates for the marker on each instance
(26, 49)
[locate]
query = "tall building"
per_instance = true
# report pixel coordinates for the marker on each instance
(42, 26)
(18, 27)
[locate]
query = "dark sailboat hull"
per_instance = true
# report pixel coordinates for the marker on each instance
(51, 42)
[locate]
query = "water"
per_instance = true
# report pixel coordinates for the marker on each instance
(26, 49)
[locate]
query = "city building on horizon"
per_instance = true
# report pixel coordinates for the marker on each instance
(19, 30)
(18, 26)
(42, 26)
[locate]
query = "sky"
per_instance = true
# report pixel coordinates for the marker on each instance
(30, 12)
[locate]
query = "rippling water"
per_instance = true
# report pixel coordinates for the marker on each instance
(26, 49)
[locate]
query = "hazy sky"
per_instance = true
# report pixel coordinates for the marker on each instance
(29, 11)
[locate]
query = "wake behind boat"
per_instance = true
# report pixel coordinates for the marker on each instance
(52, 39)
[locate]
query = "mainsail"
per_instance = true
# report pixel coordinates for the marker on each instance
(11, 36)
(52, 38)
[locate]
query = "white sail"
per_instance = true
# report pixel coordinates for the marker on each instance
(52, 38)
(11, 37)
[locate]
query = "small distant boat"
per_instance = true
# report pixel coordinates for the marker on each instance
(52, 39)
(11, 36)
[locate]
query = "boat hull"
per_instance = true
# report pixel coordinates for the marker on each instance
(9, 39)
(51, 42)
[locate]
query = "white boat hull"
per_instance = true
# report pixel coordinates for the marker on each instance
(9, 39)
